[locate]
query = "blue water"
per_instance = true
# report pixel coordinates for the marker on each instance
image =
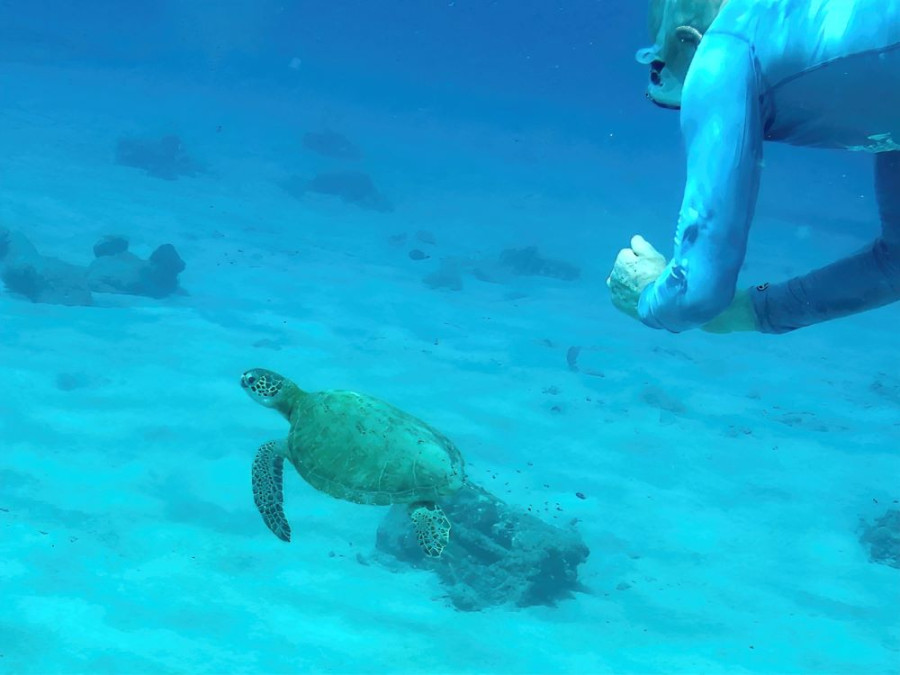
(721, 484)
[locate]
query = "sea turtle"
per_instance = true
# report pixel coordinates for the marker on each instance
(354, 447)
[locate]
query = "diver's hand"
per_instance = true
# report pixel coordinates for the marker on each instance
(635, 269)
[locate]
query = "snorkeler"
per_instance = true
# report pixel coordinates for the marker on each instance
(823, 73)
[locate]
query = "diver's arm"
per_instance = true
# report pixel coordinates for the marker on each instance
(868, 279)
(723, 131)
(865, 280)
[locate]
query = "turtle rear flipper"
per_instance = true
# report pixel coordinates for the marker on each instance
(432, 528)
(268, 492)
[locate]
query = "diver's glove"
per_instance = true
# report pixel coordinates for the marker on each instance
(635, 269)
(739, 316)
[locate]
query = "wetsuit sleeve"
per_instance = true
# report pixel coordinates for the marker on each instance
(722, 127)
(865, 280)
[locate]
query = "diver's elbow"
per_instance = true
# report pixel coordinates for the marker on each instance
(678, 301)
(703, 305)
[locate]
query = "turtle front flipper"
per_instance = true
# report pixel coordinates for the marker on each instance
(432, 527)
(268, 492)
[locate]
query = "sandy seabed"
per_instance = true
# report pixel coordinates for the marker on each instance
(725, 477)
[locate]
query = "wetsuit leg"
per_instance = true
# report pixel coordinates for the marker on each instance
(887, 191)
(863, 281)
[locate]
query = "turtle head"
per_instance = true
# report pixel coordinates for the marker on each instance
(270, 389)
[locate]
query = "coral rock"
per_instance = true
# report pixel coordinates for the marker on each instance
(498, 553)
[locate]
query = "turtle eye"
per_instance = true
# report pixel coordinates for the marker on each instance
(250, 380)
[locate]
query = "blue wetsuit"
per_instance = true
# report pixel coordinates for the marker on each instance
(818, 73)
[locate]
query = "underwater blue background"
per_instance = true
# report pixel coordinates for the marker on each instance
(723, 484)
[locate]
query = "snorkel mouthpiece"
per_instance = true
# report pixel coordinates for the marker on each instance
(676, 29)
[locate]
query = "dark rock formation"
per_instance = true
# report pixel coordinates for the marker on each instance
(39, 278)
(351, 187)
(498, 553)
(528, 262)
(331, 144)
(165, 158)
(110, 245)
(503, 269)
(426, 237)
(448, 275)
(882, 539)
(124, 272)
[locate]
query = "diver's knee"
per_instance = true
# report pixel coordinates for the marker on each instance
(887, 255)
(887, 194)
